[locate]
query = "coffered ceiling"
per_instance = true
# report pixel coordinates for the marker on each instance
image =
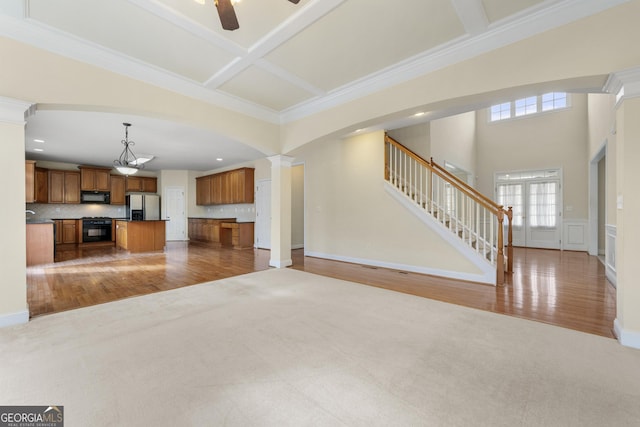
(285, 61)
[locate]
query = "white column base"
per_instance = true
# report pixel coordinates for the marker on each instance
(280, 263)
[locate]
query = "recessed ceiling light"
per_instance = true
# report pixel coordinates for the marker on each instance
(421, 113)
(38, 149)
(38, 140)
(358, 130)
(219, 159)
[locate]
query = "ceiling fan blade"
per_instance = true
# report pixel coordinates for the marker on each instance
(295, 1)
(227, 15)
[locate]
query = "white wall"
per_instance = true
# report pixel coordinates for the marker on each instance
(351, 217)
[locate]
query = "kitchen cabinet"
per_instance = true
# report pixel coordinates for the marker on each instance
(42, 185)
(238, 235)
(203, 190)
(231, 187)
(68, 231)
(206, 229)
(95, 179)
(30, 181)
(64, 186)
(145, 184)
(118, 190)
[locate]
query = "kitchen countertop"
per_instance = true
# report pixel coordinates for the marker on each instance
(40, 221)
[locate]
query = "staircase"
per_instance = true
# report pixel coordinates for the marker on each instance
(471, 217)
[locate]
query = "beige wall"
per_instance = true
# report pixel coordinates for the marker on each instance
(602, 130)
(13, 285)
(416, 138)
(547, 140)
(351, 216)
(297, 206)
(453, 140)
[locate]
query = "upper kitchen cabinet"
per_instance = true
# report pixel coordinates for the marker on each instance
(147, 184)
(95, 179)
(231, 187)
(64, 186)
(118, 187)
(36, 183)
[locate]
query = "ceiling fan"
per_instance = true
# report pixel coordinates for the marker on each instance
(227, 14)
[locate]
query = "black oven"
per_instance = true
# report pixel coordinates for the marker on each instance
(96, 230)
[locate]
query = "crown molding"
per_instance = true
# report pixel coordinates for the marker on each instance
(624, 84)
(15, 110)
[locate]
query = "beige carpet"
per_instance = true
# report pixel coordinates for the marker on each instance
(283, 347)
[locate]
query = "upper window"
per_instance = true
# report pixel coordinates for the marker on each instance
(526, 106)
(554, 100)
(530, 105)
(501, 111)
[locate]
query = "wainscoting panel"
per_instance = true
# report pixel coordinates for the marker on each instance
(575, 235)
(610, 253)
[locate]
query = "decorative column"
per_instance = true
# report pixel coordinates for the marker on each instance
(280, 211)
(13, 253)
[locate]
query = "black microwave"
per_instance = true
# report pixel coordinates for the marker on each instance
(103, 197)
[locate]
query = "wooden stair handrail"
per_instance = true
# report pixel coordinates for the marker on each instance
(445, 175)
(464, 184)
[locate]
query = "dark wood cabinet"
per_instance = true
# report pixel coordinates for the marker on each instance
(95, 179)
(42, 185)
(145, 184)
(235, 186)
(64, 186)
(36, 183)
(118, 187)
(30, 181)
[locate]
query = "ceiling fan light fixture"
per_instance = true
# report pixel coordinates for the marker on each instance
(128, 163)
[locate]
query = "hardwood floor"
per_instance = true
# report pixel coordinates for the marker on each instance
(566, 289)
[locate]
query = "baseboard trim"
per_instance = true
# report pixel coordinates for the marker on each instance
(469, 277)
(299, 246)
(625, 337)
(14, 318)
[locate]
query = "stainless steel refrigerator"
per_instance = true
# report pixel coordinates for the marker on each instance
(143, 207)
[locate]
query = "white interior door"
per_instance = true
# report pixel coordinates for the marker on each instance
(513, 194)
(543, 214)
(175, 213)
(536, 211)
(263, 214)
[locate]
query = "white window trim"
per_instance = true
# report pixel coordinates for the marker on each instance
(525, 116)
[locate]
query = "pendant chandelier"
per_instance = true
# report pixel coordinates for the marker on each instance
(127, 163)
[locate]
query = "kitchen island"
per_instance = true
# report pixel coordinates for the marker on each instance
(40, 242)
(140, 236)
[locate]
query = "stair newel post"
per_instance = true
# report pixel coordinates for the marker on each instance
(510, 241)
(500, 260)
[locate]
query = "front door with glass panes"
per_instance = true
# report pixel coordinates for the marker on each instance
(536, 200)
